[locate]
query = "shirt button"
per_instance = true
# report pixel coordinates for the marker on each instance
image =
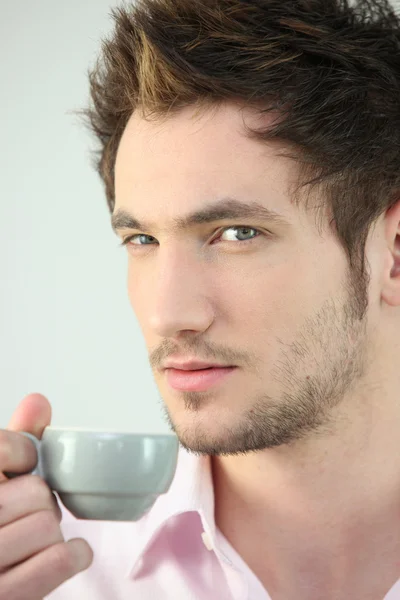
(207, 541)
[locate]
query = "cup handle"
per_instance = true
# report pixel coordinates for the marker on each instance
(38, 469)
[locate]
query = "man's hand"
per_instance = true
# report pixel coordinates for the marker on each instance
(34, 557)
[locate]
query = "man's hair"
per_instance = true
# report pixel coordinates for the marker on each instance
(330, 68)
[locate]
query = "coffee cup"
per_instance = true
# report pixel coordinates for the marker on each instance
(105, 475)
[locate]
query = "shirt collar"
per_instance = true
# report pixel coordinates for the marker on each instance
(191, 490)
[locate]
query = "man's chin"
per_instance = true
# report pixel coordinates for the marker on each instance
(207, 434)
(210, 444)
(193, 439)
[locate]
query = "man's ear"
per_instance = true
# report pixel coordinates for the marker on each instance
(391, 276)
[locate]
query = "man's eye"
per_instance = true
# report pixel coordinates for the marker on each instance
(237, 229)
(131, 237)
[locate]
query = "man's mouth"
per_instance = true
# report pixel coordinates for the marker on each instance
(197, 380)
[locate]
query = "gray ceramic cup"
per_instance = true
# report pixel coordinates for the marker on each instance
(104, 475)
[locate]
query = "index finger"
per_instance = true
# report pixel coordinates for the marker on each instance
(17, 453)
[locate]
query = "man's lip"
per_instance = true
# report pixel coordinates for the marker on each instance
(193, 365)
(197, 380)
(201, 369)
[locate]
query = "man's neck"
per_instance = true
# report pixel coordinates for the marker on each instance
(320, 519)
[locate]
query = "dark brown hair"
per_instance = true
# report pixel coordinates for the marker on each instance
(331, 69)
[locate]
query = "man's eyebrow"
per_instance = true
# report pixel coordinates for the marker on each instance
(226, 208)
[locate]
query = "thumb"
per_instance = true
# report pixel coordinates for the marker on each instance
(32, 414)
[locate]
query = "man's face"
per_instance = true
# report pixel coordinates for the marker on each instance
(280, 307)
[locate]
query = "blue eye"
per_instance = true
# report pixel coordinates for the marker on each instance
(235, 228)
(243, 228)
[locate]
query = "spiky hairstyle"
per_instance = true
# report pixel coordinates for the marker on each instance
(331, 69)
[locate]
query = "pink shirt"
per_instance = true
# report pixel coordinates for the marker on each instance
(175, 552)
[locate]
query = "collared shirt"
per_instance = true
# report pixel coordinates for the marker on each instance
(174, 552)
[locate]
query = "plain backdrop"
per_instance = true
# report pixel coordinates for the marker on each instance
(67, 328)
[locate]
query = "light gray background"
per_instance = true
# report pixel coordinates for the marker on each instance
(67, 329)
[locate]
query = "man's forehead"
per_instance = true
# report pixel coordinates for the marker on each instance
(261, 186)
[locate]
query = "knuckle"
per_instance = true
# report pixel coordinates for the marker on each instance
(56, 507)
(39, 489)
(47, 523)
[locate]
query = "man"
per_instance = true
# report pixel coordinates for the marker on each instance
(275, 257)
